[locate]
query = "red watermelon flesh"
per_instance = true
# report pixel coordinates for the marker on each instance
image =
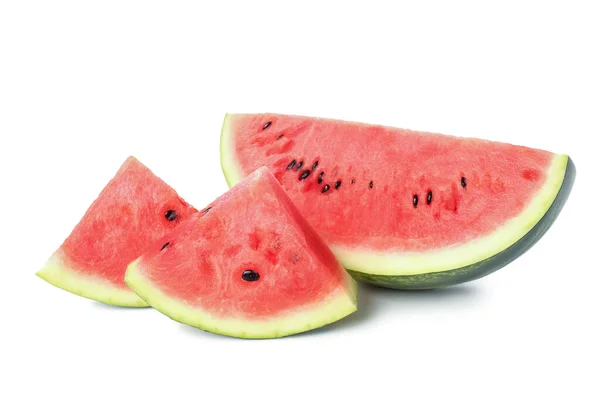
(132, 211)
(393, 201)
(247, 266)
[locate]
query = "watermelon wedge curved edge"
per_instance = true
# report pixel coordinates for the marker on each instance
(534, 224)
(306, 320)
(437, 267)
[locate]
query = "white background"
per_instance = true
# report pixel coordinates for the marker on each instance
(85, 84)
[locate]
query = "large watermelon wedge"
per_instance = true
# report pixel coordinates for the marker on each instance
(248, 266)
(132, 211)
(400, 208)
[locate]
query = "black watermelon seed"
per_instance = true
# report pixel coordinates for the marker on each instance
(429, 197)
(266, 125)
(415, 200)
(353, 181)
(314, 166)
(304, 175)
(463, 182)
(279, 137)
(338, 184)
(371, 185)
(325, 188)
(299, 166)
(205, 211)
(250, 275)
(320, 178)
(291, 165)
(165, 246)
(171, 215)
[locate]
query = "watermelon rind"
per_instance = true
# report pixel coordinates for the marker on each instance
(337, 306)
(231, 169)
(448, 266)
(57, 273)
(532, 229)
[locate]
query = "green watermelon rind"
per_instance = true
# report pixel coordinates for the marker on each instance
(58, 274)
(487, 266)
(321, 313)
(443, 267)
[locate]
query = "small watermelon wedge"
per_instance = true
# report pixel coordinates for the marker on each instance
(400, 208)
(132, 211)
(248, 266)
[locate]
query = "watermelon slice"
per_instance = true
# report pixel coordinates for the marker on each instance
(132, 211)
(400, 208)
(247, 266)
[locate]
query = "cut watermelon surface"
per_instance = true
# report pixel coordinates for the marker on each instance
(248, 266)
(132, 211)
(401, 208)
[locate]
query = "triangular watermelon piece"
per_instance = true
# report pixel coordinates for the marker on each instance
(132, 211)
(248, 266)
(401, 208)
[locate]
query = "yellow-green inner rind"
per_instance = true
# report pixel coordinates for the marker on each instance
(92, 287)
(324, 312)
(229, 164)
(365, 262)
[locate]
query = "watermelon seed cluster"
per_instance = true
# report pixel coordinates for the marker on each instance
(338, 183)
(304, 175)
(463, 183)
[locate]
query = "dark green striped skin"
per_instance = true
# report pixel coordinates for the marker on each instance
(484, 267)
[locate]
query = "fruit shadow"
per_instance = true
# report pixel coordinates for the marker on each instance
(378, 301)
(101, 305)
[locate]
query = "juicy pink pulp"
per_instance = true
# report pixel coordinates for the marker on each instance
(383, 173)
(255, 227)
(127, 216)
